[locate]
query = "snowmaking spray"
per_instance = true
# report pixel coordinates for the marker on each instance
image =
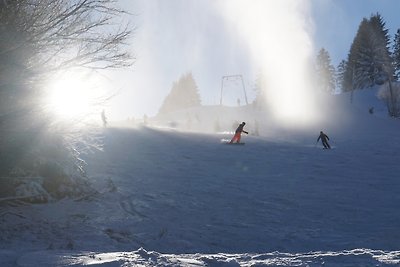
(278, 39)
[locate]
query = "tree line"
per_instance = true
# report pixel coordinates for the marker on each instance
(373, 59)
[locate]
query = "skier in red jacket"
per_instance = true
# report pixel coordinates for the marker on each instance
(238, 133)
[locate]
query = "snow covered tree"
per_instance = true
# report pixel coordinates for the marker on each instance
(40, 38)
(184, 94)
(381, 44)
(369, 60)
(325, 71)
(352, 57)
(396, 54)
(390, 94)
(340, 76)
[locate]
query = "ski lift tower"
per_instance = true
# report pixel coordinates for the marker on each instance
(234, 78)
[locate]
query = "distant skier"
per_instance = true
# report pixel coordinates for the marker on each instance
(104, 118)
(238, 133)
(324, 138)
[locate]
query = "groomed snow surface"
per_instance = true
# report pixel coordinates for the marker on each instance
(173, 198)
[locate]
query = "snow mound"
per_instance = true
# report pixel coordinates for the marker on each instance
(141, 257)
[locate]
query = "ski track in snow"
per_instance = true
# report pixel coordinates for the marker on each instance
(309, 197)
(190, 198)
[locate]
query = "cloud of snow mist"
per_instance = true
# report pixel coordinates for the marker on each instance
(277, 35)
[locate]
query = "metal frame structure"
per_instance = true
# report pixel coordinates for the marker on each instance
(228, 77)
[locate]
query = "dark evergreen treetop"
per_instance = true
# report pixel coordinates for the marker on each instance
(396, 54)
(184, 94)
(325, 71)
(340, 75)
(369, 61)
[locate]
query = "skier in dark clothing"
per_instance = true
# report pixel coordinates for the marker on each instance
(324, 138)
(238, 133)
(104, 118)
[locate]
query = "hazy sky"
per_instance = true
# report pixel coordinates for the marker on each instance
(174, 37)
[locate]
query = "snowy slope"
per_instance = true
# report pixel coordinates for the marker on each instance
(188, 200)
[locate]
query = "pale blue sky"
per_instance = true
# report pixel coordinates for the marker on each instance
(337, 21)
(177, 36)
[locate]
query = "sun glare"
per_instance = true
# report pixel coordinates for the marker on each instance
(72, 96)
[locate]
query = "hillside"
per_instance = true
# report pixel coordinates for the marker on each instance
(188, 200)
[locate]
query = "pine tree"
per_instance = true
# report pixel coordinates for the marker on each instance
(396, 54)
(340, 76)
(325, 71)
(382, 59)
(353, 58)
(184, 94)
(369, 59)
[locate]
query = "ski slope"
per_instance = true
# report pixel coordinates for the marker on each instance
(173, 198)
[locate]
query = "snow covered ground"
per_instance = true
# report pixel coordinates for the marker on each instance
(172, 198)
